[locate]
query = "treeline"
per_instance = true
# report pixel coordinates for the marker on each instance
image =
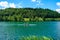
(27, 14)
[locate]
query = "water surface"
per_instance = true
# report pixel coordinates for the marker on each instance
(14, 30)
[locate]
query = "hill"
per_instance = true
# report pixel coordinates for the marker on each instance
(28, 14)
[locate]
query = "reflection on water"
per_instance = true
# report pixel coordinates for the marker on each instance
(14, 30)
(58, 29)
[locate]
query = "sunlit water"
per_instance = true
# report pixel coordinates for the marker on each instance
(14, 30)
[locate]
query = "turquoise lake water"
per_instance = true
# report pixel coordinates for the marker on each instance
(15, 30)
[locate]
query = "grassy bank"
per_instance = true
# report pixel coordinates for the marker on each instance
(33, 19)
(35, 38)
(42, 19)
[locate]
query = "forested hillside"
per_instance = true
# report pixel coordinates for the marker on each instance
(28, 14)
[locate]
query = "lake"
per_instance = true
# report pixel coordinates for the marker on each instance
(14, 30)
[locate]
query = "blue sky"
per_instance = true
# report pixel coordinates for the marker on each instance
(50, 4)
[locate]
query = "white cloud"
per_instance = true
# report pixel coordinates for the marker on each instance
(58, 10)
(12, 5)
(33, 0)
(19, 5)
(5, 4)
(38, 2)
(58, 4)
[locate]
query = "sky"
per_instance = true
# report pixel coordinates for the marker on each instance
(50, 4)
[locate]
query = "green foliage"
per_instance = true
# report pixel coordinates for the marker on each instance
(50, 19)
(33, 14)
(35, 38)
